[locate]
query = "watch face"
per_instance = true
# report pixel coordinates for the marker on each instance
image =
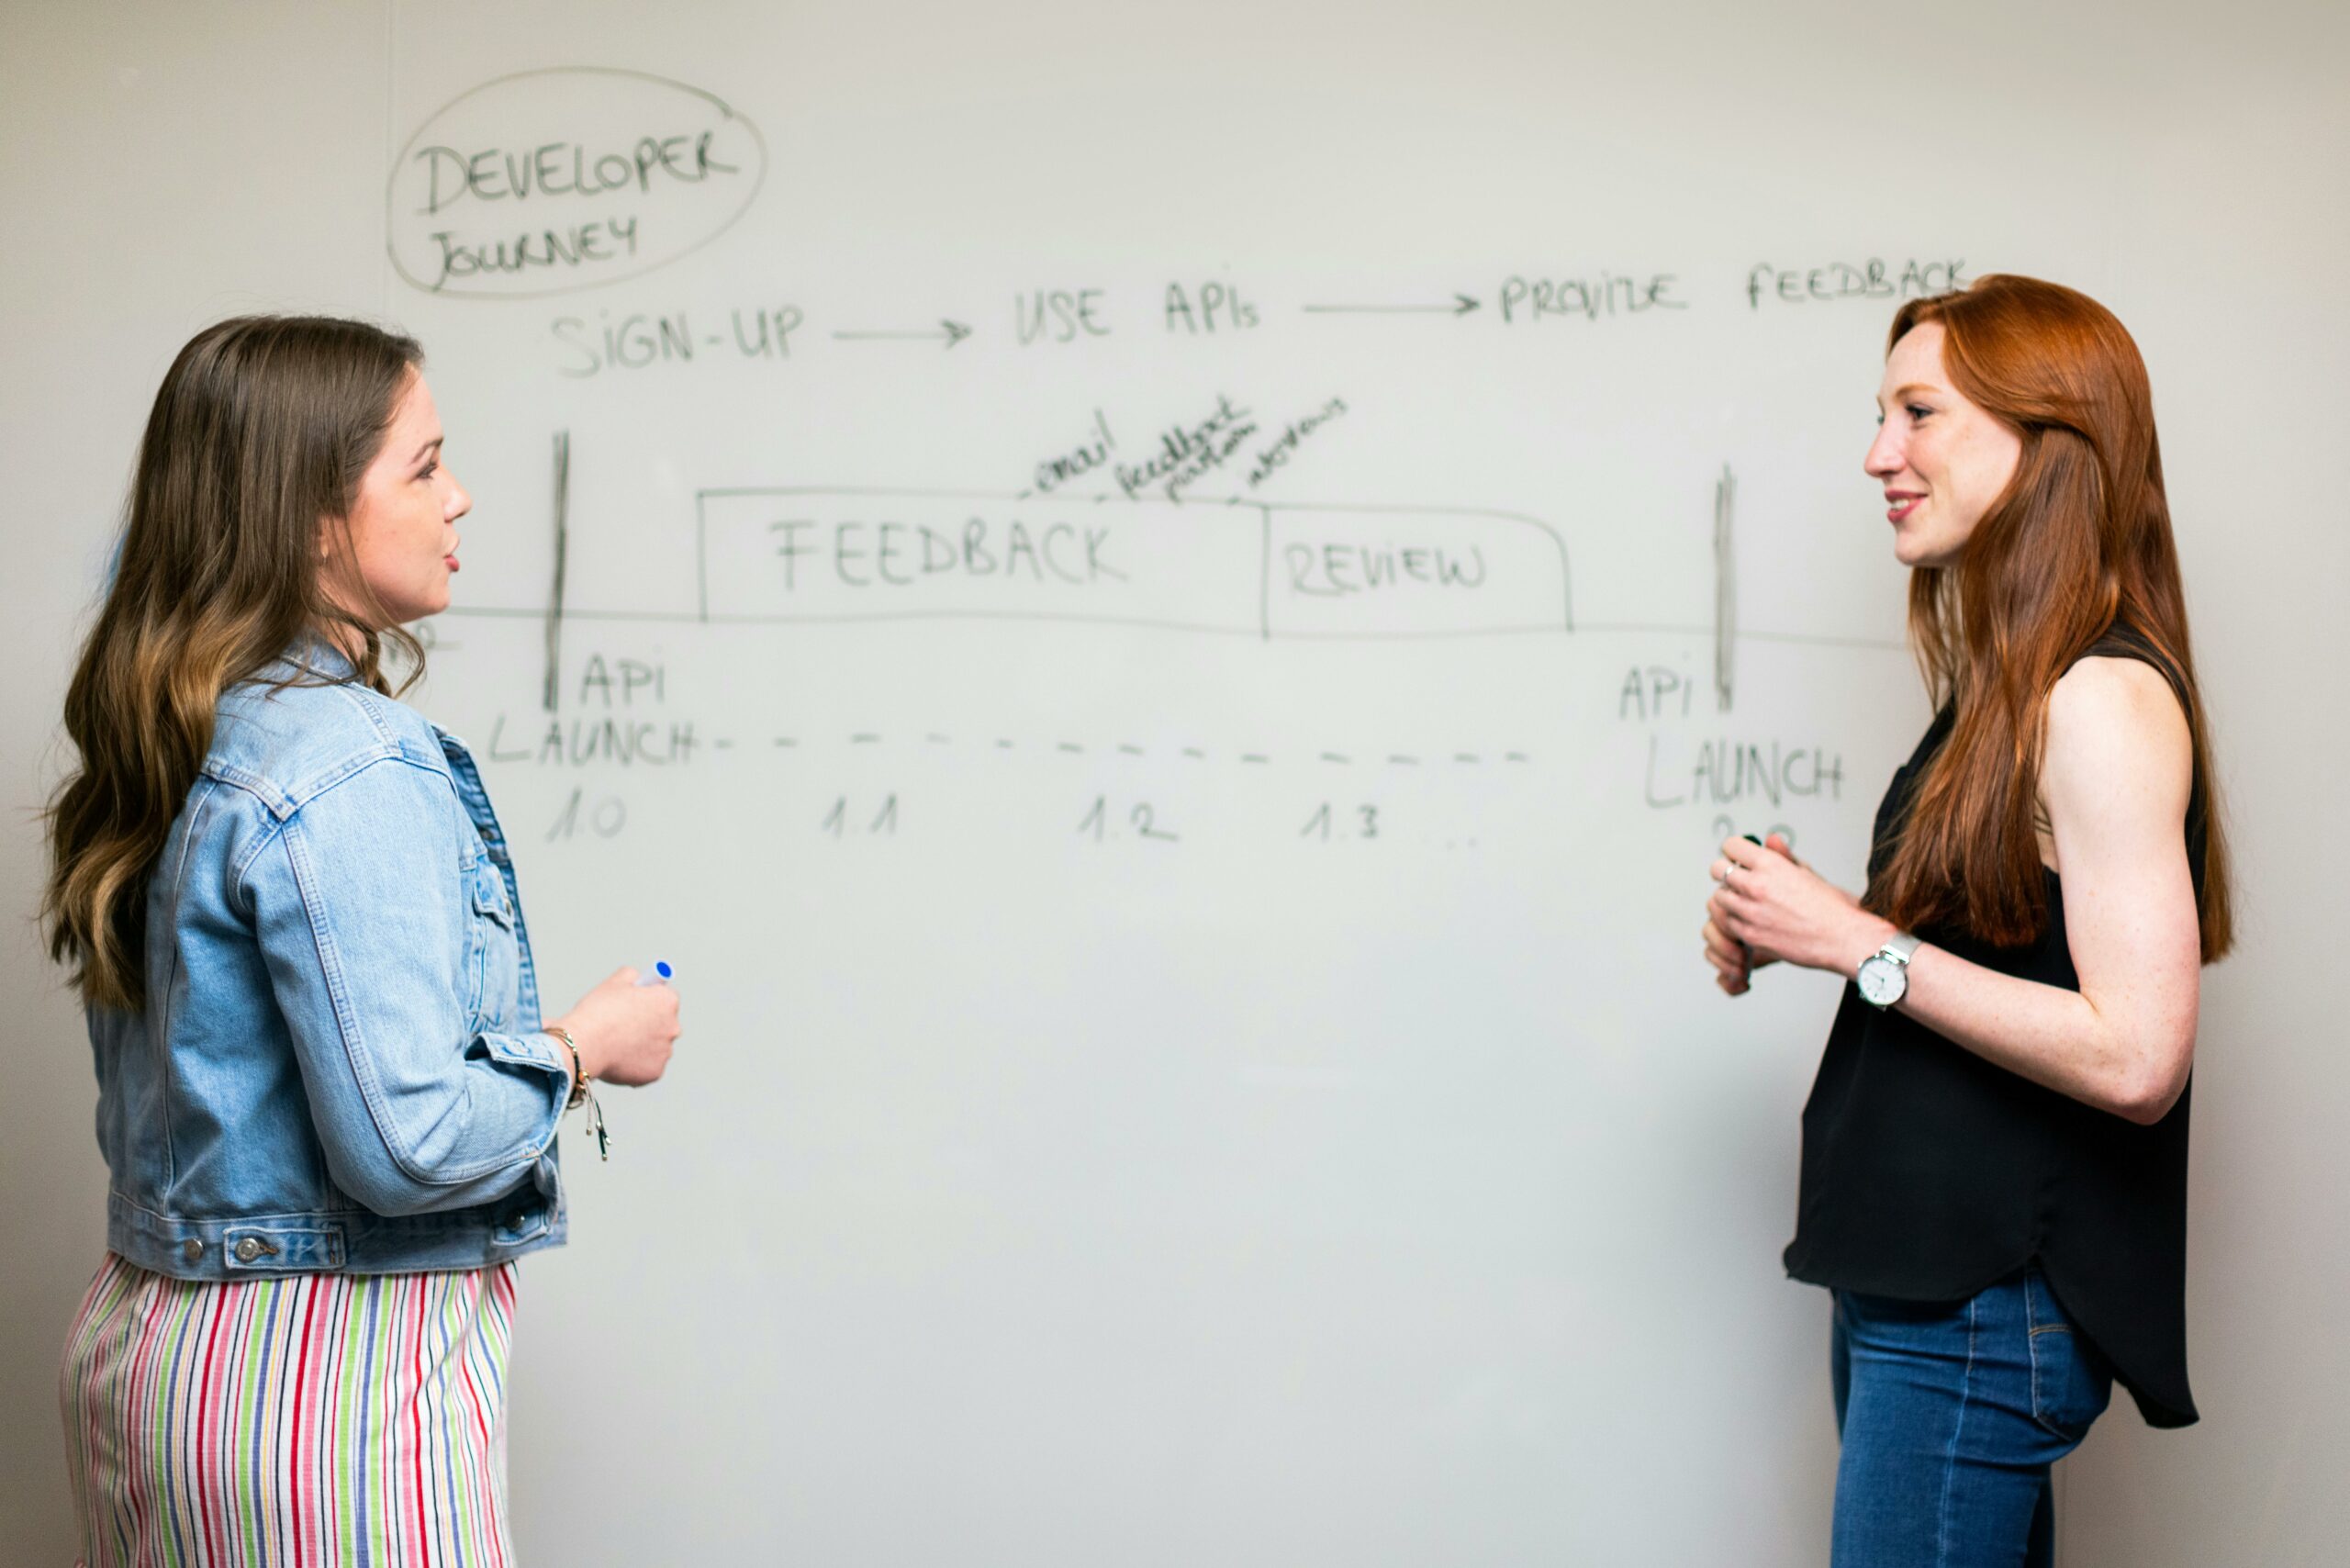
(1882, 981)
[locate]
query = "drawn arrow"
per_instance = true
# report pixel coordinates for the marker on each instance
(1461, 305)
(953, 331)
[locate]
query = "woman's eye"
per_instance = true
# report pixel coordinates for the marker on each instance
(1917, 411)
(428, 470)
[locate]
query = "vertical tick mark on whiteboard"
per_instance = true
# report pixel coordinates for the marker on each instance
(562, 545)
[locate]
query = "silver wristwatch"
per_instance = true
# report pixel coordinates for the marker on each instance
(1885, 974)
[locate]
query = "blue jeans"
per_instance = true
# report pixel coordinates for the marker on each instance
(1950, 1415)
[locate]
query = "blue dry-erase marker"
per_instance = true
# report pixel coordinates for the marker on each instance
(657, 975)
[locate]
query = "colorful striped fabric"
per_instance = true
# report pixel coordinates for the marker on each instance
(300, 1419)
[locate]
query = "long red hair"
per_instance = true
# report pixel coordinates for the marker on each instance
(2079, 542)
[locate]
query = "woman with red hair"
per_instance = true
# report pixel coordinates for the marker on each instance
(1995, 1152)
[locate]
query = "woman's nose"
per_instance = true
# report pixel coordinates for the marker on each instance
(1883, 454)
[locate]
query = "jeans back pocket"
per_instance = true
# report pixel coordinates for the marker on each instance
(2071, 1383)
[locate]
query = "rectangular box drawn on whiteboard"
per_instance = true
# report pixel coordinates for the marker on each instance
(1406, 572)
(804, 553)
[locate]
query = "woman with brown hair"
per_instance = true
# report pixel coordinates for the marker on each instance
(1995, 1152)
(326, 1098)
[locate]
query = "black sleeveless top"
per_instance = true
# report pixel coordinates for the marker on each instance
(1928, 1173)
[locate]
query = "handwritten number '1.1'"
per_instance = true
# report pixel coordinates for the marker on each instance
(884, 823)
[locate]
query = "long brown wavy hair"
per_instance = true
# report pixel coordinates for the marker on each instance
(2079, 542)
(259, 436)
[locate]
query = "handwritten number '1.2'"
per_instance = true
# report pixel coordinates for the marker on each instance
(1096, 824)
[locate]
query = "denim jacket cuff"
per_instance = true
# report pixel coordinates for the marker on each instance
(525, 1050)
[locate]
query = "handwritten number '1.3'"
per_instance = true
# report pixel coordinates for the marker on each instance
(1318, 826)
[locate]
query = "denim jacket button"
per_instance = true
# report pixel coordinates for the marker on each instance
(248, 1250)
(191, 1250)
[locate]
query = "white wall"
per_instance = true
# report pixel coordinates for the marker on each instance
(1247, 1195)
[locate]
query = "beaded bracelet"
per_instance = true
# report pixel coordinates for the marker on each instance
(580, 1092)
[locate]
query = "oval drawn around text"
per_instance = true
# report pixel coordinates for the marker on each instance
(547, 182)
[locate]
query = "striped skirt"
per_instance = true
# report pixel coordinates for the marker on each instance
(298, 1420)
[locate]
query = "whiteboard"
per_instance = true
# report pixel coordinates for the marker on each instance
(1159, 616)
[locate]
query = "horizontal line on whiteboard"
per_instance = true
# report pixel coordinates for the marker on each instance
(1584, 628)
(1201, 503)
(1552, 629)
(1042, 618)
(570, 612)
(1743, 634)
(858, 490)
(688, 618)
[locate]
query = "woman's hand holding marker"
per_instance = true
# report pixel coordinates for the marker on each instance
(625, 1027)
(1733, 962)
(1768, 906)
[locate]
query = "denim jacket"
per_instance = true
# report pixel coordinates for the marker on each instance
(339, 1066)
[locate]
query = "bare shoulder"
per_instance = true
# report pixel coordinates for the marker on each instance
(2117, 699)
(2111, 720)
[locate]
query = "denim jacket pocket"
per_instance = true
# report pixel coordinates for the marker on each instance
(2070, 1381)
(494, 971)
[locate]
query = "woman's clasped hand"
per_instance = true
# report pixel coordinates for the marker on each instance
(1769, 907)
